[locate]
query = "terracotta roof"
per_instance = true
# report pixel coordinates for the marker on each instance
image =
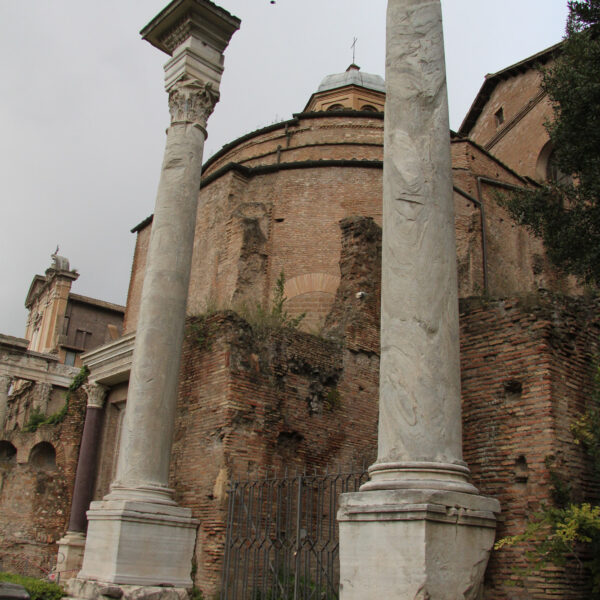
(96, 302)
(493, 79)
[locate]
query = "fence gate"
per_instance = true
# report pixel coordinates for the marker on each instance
(282, 537)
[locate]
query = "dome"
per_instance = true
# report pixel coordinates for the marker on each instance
(352, 76)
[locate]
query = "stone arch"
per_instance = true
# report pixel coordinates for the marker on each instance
(541, 167)
(43, 456)
(8, 453)
(546, 168)
(311, 282)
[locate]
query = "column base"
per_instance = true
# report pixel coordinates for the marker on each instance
(411, 543)
(70, 554)
(139, 543)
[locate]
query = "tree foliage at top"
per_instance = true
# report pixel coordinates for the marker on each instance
(565, 213)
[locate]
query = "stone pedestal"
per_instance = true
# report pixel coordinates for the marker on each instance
(70, 554)
(133, 542)
(409, 544)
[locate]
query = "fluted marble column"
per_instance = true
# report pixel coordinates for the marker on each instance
(137, 534)
(418, 528)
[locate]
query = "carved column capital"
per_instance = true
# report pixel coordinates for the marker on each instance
(96, 393)
(192, 101)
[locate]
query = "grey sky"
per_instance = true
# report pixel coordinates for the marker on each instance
(83, 110)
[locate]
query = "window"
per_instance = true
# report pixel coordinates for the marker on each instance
(336, 107)
(70, 357)
(499, 115)
(369, 108)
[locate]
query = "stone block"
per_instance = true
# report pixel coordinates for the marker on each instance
(139, 543)
(70, 554)
(422, 544)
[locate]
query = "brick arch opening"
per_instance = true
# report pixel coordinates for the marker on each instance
(312, 294)
(311, 282)
(43, 456)
(8, 453)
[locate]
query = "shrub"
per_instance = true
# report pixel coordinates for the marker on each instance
(37, 589)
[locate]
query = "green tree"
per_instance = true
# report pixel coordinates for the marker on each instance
(565, 212)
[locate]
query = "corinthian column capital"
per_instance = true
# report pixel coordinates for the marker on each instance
(95, 394)
(192, 101)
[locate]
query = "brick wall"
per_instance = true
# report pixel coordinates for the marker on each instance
(134, 294)
(254, 222)
(527, 367)
(35, 501)
(521, 144)
(323, 135)
(249, 404)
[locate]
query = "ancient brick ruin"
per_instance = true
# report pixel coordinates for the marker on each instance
(304, 197)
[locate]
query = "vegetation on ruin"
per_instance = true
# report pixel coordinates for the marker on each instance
(37, 418)
(262, 320)
(37, 589)
(565, 212)
(568, 531)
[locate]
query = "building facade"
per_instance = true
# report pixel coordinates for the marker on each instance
(303, 198)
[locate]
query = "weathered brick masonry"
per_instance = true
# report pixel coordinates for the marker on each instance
(249, 403)
(253, 401)
(35, 498)
(527, 375)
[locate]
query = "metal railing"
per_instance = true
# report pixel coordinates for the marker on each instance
(282, 536)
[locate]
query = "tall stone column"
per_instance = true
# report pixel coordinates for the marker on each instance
(71, 546)
(4, 387)
(137, 534)
(418, 528)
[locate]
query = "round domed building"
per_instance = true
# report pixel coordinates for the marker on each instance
(272, 201)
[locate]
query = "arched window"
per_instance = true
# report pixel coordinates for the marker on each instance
(43, 456)
(547, 169)
(8, 453)
(336, 107)
(368, 108)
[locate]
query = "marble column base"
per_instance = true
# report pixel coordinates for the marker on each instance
(70, 554)
(414, 544)
(139, 543)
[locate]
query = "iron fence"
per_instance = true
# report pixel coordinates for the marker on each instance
(282, 536)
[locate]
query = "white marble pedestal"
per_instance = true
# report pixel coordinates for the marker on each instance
(141, 543)
(414, 544)
(70, 554)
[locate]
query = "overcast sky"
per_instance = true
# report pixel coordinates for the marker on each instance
(83, 110)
